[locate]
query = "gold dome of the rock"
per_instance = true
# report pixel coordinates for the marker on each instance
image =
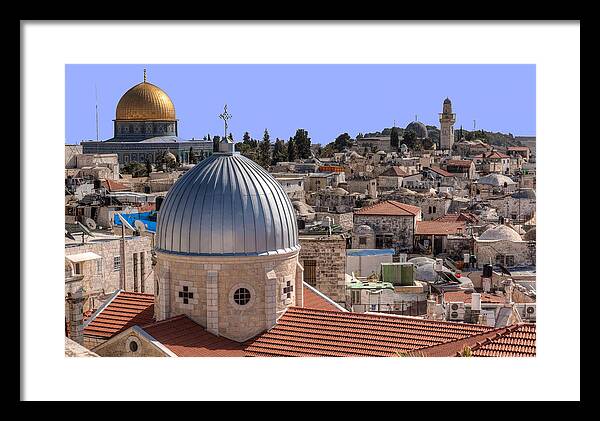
(145, 101)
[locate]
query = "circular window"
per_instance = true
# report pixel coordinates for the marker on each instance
(133, 346)
(241, 296)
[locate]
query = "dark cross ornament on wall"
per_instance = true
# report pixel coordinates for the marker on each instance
(186, 295)
(288, 289)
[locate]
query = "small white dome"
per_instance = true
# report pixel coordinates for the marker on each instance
(501, 232)
(496, 180)
(363, 229)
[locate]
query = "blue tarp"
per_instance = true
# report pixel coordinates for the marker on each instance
(142, 216)
(368, 252)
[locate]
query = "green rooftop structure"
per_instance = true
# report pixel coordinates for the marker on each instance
(398, 274)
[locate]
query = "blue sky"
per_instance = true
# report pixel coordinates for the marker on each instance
(324, 99)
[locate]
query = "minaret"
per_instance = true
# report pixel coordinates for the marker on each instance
(447, 120)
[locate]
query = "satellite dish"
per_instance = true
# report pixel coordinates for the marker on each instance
(139, 225)
(90, 223)
(85, 230)
(125, 223)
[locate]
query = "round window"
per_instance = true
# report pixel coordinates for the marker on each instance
(133, 346)
(241, 296)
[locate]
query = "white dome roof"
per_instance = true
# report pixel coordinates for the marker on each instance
(363, 229)
(501, 232)
(495, 179)
(227, 205)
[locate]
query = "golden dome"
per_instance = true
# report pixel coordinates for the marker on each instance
(145, 101)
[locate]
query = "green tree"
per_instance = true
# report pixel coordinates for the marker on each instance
(136, 169)
(216, 141)
(148, 167)
(410, 139)
(279, 151)
(292, 150)
(394, 138)
(264, 150)
(302, 142)
(341, 142)
(192, 157)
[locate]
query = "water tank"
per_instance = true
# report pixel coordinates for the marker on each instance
(402, 257)
(466, 257)
(439, 265)
(476, 301)
(159, 200)
(487, 271)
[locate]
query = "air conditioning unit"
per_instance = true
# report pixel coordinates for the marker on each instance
(529, 311)
(456, 311)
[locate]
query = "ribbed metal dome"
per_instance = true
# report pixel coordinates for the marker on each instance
(419, 128)
(227, 205)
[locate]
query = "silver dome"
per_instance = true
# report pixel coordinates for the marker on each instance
(419, 129)
(227, 205)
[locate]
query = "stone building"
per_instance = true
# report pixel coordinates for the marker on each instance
(393, 222)
(324, 262)
(461, 168)
(503, 245)
(145, 127)
(362, 184)
(333, 200)
(363, 237)
(227, 250)
(391, 178)
(447, 120)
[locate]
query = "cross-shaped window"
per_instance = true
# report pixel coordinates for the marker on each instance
(186, 295)
(288, 289)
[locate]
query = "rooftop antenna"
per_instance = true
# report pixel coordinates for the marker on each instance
(97, 130)
(145, 75)
(416, 117)
(473, 124)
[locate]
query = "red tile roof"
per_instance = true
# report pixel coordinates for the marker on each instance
(459, 162)
(313, 300)
(456, 217)
(516, 341)
(439, 228)
(441, 172)
(309, 332)
(497, 155)
(393, 171)
(512, 341)
(125, 310)
(113, 186)
(465, 297)
(517, 148)
(389, 208)
(186, 338)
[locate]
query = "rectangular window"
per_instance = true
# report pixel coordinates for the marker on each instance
(510, 260)
(500, 259)
(356, 297)
(142, 271)
(116, 263)
(362, 241)
(135, 272)
(310, 272)
(78, 269)
(99, 266)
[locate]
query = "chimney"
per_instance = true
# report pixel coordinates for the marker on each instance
(75, 315)
(475, 307)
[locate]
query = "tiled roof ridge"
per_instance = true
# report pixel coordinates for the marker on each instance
(394, 318)
(508, 330)
(458, 342)
(164, 321)
(402, 206)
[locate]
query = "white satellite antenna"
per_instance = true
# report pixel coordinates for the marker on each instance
(125, 223)
(90, 223)
(139, 225)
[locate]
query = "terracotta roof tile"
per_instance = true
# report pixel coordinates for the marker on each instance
(125, 310)
(439, 228)
(516, 341)
(441, 172)
(393, 171)
(459, 162)
(389, 208)
(456, 217)
(313, 300)
(114, 186)
(186, 338)
(465, 297)
(310, 332)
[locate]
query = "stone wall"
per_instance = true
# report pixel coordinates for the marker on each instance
(212, 282)
(118, 346)
(402, 228)
(329, 252)
(487, 250)
(100, 276)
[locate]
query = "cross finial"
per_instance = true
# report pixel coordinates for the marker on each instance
(225, 116)
(144, 75)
